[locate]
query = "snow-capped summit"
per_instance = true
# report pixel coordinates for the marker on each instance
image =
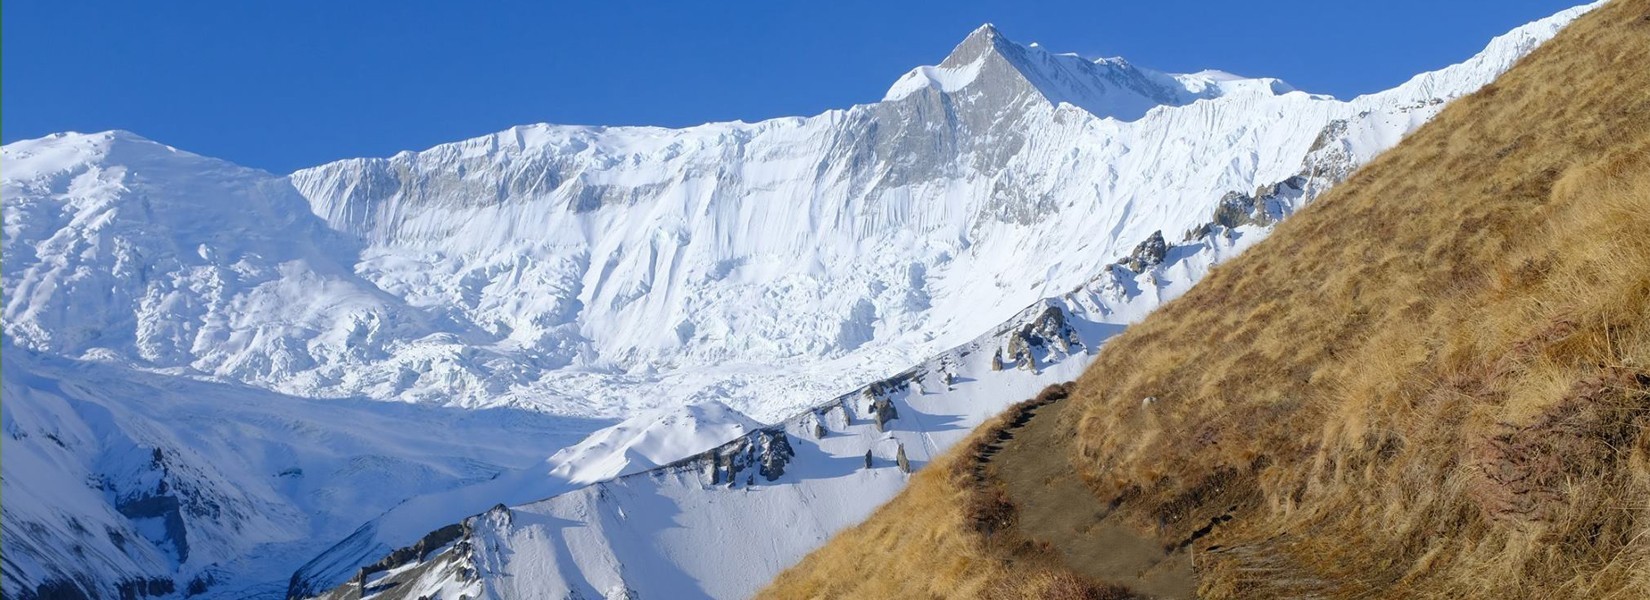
(985, 40)
(122, 247)
(990, 70)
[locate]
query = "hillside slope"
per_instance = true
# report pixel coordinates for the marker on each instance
(1431, 383)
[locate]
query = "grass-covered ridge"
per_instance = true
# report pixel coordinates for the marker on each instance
(1433, 382)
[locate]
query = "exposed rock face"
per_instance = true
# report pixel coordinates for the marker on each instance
(129, 589)
(775, 453)
(1267, 205)
(877, 394)
(768, 450)
(1263, 208)
(1328, 160)
(421, 551)
(1048, 333)
(1237, 209)
(1148, 254)
(883, 411)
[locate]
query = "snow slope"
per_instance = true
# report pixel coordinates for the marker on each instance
(118, 479)
(524, 288)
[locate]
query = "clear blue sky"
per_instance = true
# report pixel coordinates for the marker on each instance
(283, 85)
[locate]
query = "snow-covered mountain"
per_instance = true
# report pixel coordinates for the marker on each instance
(214, 374)
(691, 529)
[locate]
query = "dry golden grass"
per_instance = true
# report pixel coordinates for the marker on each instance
(1431, 383)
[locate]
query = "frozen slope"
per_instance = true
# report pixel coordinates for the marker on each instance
(120, 482)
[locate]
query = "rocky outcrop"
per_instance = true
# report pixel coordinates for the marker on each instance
(879, 398)
(882, 411)
(768, 451)
(1048, 334)
(1263, 208)
(421, 551)
(129, 589)
(1148, 254)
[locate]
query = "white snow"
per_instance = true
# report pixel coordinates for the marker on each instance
(650, 439)
(261, 478)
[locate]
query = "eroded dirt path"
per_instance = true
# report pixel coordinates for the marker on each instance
(1053, 506)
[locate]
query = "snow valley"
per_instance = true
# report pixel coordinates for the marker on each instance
(373, 376)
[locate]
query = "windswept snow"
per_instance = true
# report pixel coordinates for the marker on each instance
(650, 439)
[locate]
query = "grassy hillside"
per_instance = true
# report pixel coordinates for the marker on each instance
(1434, 382)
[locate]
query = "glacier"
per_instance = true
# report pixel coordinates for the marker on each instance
(233, 372)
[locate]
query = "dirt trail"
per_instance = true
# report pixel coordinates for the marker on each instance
(1053, 506)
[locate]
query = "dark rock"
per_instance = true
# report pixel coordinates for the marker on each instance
(1262, 208)
(776, 452)
(882, 409)
(420, 551)
(133, 589)
(199, 584)
(165, 507)
(1047, 333)
(56, 589)
(768, 450)
(1148, 254)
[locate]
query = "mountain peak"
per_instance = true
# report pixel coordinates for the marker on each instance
(985, 39)
(1005, 73)
(42, 157)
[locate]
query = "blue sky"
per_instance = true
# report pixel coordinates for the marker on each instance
(284, 85)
